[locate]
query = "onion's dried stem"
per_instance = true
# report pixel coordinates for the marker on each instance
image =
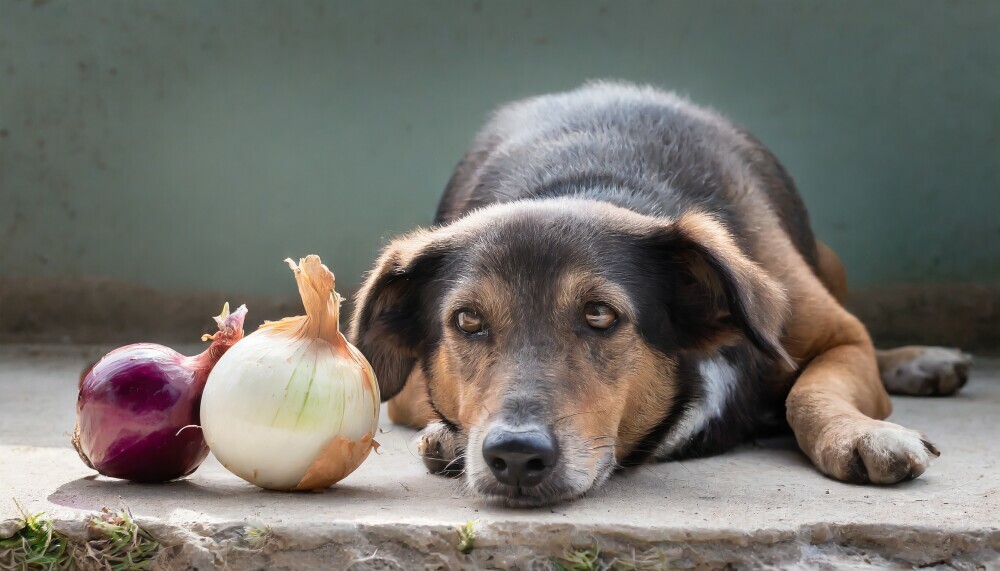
(322, 304)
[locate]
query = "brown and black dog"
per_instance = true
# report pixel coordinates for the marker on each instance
(616, 276)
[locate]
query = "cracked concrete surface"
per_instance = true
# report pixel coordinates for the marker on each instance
(761, 505)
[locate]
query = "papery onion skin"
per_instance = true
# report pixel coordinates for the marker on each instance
(293, 406)
(138, 408)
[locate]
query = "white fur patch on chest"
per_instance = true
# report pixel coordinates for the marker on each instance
(719, 379)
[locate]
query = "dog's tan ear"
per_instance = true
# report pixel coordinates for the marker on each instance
(715, 292)
(393, 309)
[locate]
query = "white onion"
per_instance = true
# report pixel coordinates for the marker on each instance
(293, 406)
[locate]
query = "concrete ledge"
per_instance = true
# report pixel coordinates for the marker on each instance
(515, 545)
(762, 504)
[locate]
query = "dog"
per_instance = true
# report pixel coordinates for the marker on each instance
(616, 276)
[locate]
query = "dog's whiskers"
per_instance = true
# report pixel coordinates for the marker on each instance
(456, 459)
(562, 418)
(602, 447)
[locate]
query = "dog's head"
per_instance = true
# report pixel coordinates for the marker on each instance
(550, 332)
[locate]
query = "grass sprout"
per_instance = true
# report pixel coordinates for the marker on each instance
(36, 545)
(466, 537)
(652, 560)
(257, 537)
(589, 559)
(580, 559)
(117, 543)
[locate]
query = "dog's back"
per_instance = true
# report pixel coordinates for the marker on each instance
(636, 147)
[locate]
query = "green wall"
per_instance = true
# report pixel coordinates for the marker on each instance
(194, 145)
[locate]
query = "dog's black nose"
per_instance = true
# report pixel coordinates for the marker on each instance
(521, 458)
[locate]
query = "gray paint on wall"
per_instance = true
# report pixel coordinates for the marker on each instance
(194, 145)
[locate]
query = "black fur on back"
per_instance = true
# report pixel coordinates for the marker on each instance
(635, 147)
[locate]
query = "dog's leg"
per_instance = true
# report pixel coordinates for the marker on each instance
(442, 449)
(410, 406)
(837, 404)
(919, 371)
(831, 271)
(923, 371)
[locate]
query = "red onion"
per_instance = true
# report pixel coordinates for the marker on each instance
(138, 408)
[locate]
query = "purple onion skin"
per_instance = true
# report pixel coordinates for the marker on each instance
(132, 407)
(138, 411)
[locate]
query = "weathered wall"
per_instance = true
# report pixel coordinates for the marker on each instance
(193, 145)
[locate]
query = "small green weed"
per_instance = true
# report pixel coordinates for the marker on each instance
(651, 560)
(466, 537)
(36, 545)
(257, 537)
(589, 559)
(580, 559)
(117, 543)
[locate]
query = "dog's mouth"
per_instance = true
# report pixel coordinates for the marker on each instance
(565, 484)
(520, 497)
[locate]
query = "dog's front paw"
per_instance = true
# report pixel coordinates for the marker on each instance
(924, 371)
(442, 449)
(878, 452)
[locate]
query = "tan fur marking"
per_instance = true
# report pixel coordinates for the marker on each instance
(490, 295)
(832, 272)
(651, 390)
(410, 406)
(576, 287)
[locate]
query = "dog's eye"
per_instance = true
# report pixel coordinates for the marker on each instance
(600, 316)
(469, 321)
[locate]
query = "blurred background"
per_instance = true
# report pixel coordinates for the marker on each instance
(157, 159)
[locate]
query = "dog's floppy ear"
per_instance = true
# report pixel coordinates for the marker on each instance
(712, 291)
(392, 310)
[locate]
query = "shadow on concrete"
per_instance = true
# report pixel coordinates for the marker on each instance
(95, 492)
